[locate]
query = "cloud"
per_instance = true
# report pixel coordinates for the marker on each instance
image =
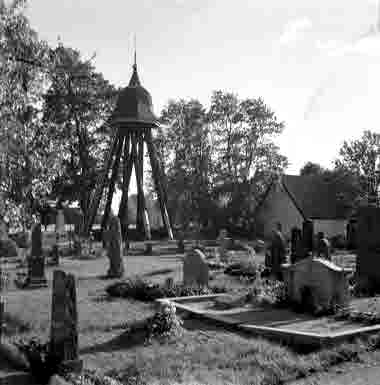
(294, 30)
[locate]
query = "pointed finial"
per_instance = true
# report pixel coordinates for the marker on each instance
(135, 55)
(135, 81)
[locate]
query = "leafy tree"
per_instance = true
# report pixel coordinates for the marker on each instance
(76, 105)
(27, 158)
(362, 157)
(186, 157)
(311, 168)
(245, 156)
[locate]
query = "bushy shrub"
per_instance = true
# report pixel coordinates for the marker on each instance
(8, 248)
(270, 292)
(145, 291)
(165, 324)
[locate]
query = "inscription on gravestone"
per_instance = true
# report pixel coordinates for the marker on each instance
(64, 321)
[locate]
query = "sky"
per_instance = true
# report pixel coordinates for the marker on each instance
(315, 62)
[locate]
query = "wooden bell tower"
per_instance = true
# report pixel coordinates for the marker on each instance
(132, 122)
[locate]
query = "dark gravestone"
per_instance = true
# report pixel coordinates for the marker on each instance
(308, 236)
(181, 241)
(36, 241)
(296, 249)
(368, 252)
(148, 248)
(351, 233)
(114, 248)
(277, 253)
(36, 261)
(64, 322)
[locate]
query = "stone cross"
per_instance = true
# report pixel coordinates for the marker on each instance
(64, 321)
(195, 269)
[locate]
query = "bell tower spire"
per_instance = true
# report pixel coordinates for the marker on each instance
(135, 81)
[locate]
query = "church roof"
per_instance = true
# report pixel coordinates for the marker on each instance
(134, 106)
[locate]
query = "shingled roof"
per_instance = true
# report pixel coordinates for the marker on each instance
(316, 197)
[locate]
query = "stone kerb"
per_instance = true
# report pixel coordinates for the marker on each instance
(327, 282)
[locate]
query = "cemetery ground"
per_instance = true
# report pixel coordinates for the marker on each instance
(204, 353)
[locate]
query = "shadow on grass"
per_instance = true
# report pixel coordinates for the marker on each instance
(124, 341)
(158, 272)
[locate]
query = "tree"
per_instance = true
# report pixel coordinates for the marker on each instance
(362, 157)
(245, 156)
(76, 105)
(185, 155)
(27, 158)
(311, 168)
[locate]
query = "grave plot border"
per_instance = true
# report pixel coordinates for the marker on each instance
(289, 336)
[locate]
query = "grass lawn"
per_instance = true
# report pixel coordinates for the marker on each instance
(205, 354)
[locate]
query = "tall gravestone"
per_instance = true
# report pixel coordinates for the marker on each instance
(277, 253)
(296, 249)
(195, 269)
(64, 322)
(368, 251)
(60, 235)
(36, 261)
(114, 248)
(308, 236)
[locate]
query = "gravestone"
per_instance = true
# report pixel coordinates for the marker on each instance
(323, 247)
(114, 248)
(296, 248)
(195, 269)
(368, 251)
(64, 322)
(35, 263)
(277, 253)
(307, 236)
(224, 243)
(181, 241)
(325, 282)
(351, 234)
(60, 237)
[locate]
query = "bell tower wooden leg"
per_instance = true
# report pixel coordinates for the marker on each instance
(111, 189)
(127, 172)
(139, 170)
(159, 188)
(100, 185)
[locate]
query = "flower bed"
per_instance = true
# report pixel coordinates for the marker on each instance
(145, 291)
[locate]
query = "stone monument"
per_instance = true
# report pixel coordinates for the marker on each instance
(195, 269)
(114, 247)
(64, 322)
(322, 281)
